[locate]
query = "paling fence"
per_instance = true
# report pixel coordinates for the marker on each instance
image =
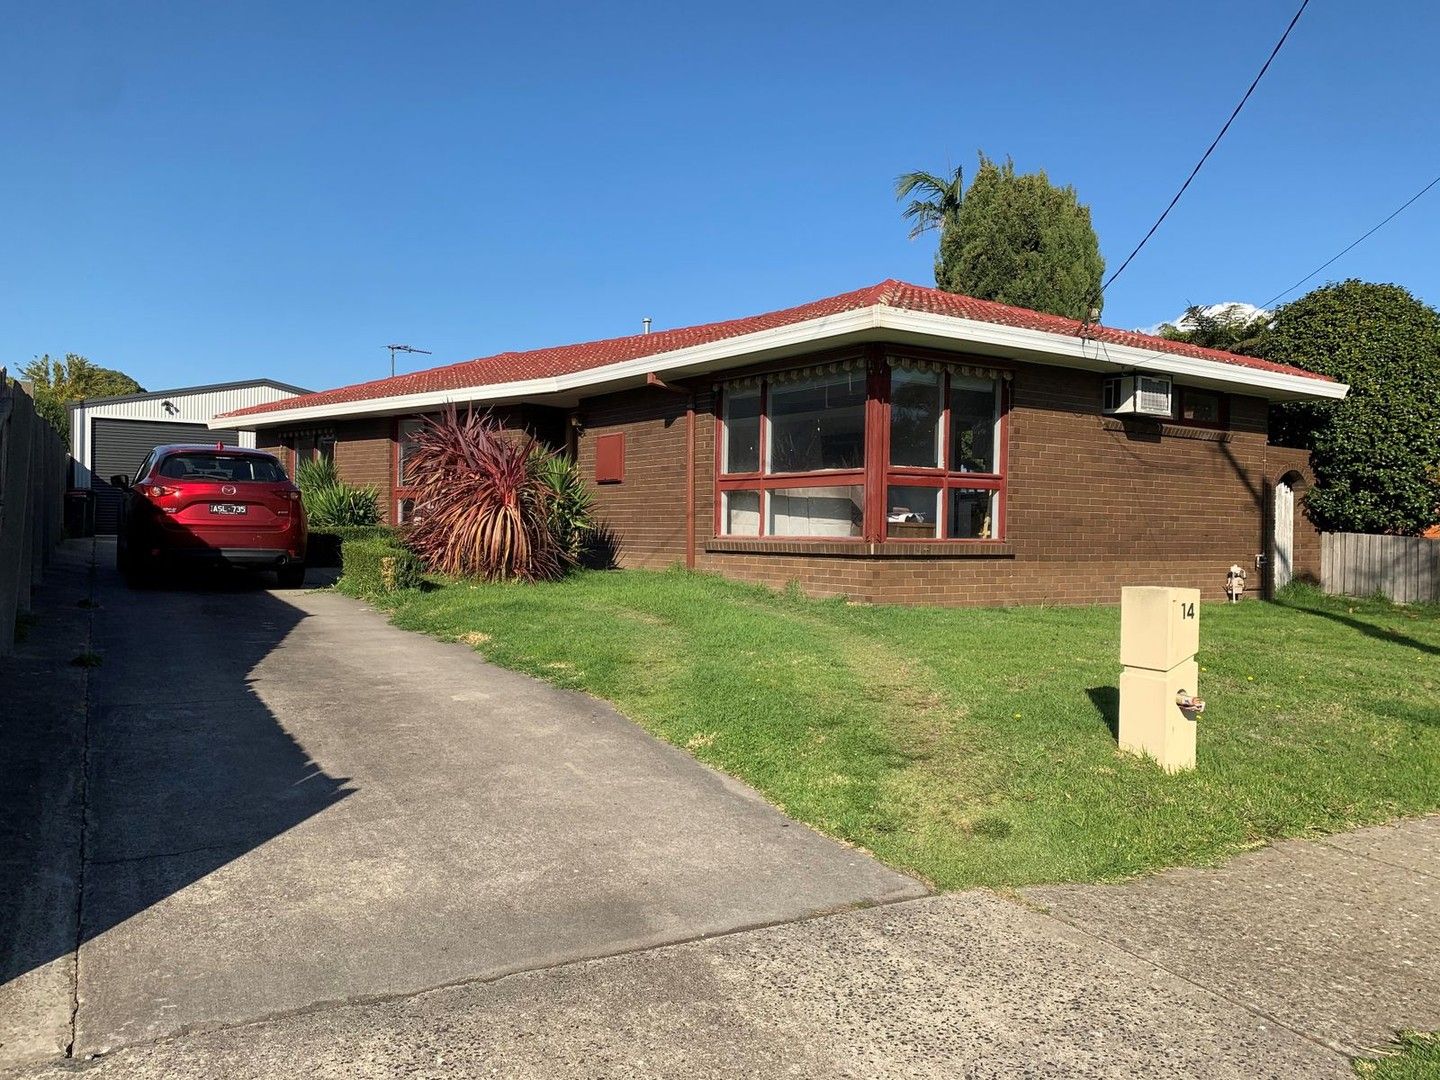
(1404, 568)
(33, 467)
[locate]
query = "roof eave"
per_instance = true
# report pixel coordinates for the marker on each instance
(187, 391)
(863, 324)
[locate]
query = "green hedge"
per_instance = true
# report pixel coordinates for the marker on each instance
(326, 546)
(362, 565)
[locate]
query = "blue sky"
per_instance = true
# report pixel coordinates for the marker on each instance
(203, 192)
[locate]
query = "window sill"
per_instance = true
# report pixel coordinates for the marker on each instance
(859, 549)
(1146, 427)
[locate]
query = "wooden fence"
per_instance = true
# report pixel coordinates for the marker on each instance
(33, 464)
(1404, 568)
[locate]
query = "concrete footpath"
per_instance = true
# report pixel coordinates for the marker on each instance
(315, 845)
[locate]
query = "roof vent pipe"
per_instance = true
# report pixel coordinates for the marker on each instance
(647, 324)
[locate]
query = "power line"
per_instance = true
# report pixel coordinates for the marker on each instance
(1265, 306)
(1356, 244)
(1209, 150)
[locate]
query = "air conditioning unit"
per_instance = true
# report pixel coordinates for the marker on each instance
(1141, 395)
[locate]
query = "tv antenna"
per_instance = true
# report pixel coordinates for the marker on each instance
(404, 348)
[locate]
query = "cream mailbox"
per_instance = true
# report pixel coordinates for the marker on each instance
(1159, 691)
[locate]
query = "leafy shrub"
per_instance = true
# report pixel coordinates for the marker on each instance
(571, 514)
(481, 509)
(363, 566)
(1376, 454)
(326, 546)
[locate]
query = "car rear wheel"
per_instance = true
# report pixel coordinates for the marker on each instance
(291, 577)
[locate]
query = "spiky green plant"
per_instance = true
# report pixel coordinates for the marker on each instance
(340, 505)
(572, 505)
(316, 473)
(329, 501)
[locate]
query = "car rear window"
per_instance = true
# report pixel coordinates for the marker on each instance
(232, 467)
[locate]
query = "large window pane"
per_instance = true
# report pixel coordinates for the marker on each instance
(972, 425)
(817, 511)
(740, 513)
(818, 423)
(972, 514)
(915, 418)
(742, 432)
(912, 513)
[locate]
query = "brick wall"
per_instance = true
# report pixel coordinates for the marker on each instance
(1093, 503)
(647, 509)
(364, 449)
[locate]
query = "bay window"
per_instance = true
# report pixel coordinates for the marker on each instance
(817, 511)
(742, 431)
(916, 415)
(816, 422)
(903, 449)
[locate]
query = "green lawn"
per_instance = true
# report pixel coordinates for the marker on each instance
(1416, 1057)
(975, 747)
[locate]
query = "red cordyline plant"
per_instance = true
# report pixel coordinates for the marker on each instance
(480, 509)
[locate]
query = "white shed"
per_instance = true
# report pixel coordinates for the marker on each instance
(111, 436)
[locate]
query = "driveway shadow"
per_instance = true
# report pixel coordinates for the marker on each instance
(176, 766)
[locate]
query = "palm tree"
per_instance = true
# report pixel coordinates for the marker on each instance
(940, 209)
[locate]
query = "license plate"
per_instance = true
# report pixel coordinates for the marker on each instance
(228, 509)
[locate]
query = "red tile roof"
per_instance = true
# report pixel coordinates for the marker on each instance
(566, 359)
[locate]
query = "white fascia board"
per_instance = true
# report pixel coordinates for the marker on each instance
(696, 359)
(864, 323)
(1043, 347)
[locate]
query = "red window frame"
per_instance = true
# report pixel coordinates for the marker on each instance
(399, 490)
(764, 481)
(877, 475)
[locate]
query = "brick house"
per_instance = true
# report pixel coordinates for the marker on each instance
(892, 444)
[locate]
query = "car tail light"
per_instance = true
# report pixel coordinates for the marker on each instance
(160, 497)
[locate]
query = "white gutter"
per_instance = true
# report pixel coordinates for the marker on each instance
(1040, 346)
(1104, 355)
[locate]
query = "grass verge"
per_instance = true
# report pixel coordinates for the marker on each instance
(976, 746)
(1416, 1057)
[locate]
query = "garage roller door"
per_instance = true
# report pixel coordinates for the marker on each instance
(119, 446)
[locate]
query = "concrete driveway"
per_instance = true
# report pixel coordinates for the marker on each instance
(287, 802)
(316, 846)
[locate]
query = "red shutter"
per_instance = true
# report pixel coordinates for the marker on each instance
(610, 458)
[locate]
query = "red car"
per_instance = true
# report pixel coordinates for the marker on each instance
(217, 504)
